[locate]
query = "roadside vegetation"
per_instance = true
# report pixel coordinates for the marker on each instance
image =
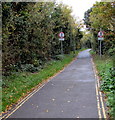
(101, 17)
(30, 34)
(30, 45)
(19, 84)
(31, 48)
(106, 71)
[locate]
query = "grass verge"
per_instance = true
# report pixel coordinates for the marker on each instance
(19, 84)
(106, 72)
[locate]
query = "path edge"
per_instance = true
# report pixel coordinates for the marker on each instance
(100, 99)
(33, 91)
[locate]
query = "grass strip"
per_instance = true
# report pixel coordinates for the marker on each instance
(18, 84)
(106, 71)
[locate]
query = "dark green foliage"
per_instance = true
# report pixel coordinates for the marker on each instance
(20, 83)
(108, 86)
(111, 51)
(108, 83)
(111, 103)
(87, 18)
(101, 16)
(30, 34)
(58, 57)
(107, 74)
(29, 68)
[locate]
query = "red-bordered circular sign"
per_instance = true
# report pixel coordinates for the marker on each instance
(61, 35)
(100, 34)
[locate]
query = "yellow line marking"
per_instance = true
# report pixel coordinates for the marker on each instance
(35, 91)
(101, 98)
(24, 102)
(103, 109)
(97, 89)
(97, 94)
(98, 103)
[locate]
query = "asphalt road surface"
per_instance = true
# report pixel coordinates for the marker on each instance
(71, 94)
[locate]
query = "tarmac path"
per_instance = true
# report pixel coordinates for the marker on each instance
(70, 94)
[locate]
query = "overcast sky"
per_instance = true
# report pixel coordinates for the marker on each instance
(79, 6)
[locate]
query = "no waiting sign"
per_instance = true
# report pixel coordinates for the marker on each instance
(61, 35)
(100, 34)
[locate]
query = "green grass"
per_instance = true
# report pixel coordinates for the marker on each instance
(107, 74)
(18, 84)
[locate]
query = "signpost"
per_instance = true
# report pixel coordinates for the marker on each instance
(100, 33)
(61, 35)
(61, 38)
(100, 38)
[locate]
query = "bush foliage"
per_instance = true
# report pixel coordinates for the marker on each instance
(30, 33)
(107, 74)
(101, 17)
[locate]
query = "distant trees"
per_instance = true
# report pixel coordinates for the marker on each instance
(86, 40)
(30, 33)
(101, 15)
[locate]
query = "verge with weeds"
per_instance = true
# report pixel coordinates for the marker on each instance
(19, 84)
(106, 72)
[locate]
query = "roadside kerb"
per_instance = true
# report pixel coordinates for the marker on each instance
(100, 103)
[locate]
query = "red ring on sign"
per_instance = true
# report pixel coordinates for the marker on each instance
(61, 35)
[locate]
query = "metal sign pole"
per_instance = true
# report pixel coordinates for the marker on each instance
(100, 48)
(100, 38)
(74, 45)
(61, 47)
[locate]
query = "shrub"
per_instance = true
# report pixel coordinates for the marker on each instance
(37, 63)
(58, 57)
(108, 86)
(29, 68)
(111, 51)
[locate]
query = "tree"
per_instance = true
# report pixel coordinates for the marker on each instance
(101, 16)
(30, 33)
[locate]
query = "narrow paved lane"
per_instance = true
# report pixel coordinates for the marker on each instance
(71, 94)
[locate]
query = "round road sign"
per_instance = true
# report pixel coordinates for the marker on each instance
(100, 34)
(61, 35)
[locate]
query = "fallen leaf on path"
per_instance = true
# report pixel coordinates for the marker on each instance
(47, 111)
